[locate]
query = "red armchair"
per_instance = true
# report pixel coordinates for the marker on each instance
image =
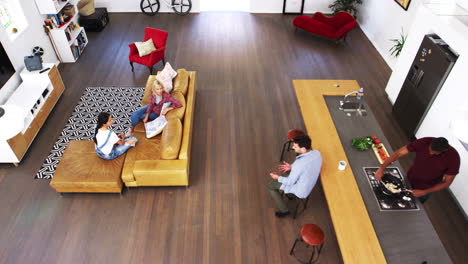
(159, 38)
(335, 27)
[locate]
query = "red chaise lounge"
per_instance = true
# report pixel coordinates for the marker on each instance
(335, 27)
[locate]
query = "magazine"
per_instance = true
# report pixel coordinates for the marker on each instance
(153, 128)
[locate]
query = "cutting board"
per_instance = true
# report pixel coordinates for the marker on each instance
(376, 152)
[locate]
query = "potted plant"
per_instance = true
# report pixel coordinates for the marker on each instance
(349, 6)
(398, 44)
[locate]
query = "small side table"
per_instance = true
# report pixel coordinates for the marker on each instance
(96, 21)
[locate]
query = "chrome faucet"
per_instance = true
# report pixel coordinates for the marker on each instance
(348, 106)
(358, 94)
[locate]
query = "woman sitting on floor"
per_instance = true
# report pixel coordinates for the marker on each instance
(151, 111)
(108, 144)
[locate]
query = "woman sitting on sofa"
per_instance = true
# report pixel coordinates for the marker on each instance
(108, 144)
(151, 111)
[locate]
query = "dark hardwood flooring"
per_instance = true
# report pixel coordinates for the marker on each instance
(245, 105)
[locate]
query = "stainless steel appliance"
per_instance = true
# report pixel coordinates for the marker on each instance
(389, 202)
(431, 66)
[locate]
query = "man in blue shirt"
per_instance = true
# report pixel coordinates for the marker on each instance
(303, 174)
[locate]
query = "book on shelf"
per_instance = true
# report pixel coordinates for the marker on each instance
(69, 10)
(81, 40)
(58, 20)
(68, 35)
(69, 30)
(76, 51)
(48, 24)
(62, 20)
(52, 21)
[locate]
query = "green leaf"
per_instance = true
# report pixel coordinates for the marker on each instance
(349, 6)
(397, 47)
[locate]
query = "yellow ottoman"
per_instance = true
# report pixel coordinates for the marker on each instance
(81, 170)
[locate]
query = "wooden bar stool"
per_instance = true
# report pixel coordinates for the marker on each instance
(311, 235)
(298, 201)
(291, 135)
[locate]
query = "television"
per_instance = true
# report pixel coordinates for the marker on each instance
(6, 68)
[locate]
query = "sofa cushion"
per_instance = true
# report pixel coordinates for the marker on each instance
(187, 123)
(166, 76)
(181, 82)
(140, 127)
(147, 148)
(178, 112)
(171, 139)
(161, 172)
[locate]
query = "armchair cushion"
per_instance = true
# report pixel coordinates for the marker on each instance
(145, 47)
(133, 50)
(149, 59)
(158, 36)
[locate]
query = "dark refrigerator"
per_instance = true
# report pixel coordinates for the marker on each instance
(430, 68)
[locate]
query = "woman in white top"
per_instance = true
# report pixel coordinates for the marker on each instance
(108, 144)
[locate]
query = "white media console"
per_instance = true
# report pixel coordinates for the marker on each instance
(36, 96)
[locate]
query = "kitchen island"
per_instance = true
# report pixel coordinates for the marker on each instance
(365, 234)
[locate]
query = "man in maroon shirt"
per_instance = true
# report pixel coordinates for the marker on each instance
(434, 167)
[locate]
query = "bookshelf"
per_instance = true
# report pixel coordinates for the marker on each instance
(69, 42)
(50, 6)
(67, 37)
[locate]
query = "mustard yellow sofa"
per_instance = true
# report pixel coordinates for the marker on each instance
(165, 159)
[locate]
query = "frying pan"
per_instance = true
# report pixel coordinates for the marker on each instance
(389, 178)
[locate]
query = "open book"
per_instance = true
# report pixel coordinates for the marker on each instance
(153, 128)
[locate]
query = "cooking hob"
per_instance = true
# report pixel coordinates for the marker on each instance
(387, 202)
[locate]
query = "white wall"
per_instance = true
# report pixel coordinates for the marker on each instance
(276, 6)
(22, 46)
(453, 93)
(256, 6)
(225, 5)
(382, 20)
(117, 6)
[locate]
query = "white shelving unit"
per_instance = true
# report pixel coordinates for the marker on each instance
(68, 49)
(50, 6)
(36, 96)
(29, 97)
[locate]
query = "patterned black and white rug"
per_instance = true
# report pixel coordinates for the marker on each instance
(120, 102)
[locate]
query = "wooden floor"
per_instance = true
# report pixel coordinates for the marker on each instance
(245, 105)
